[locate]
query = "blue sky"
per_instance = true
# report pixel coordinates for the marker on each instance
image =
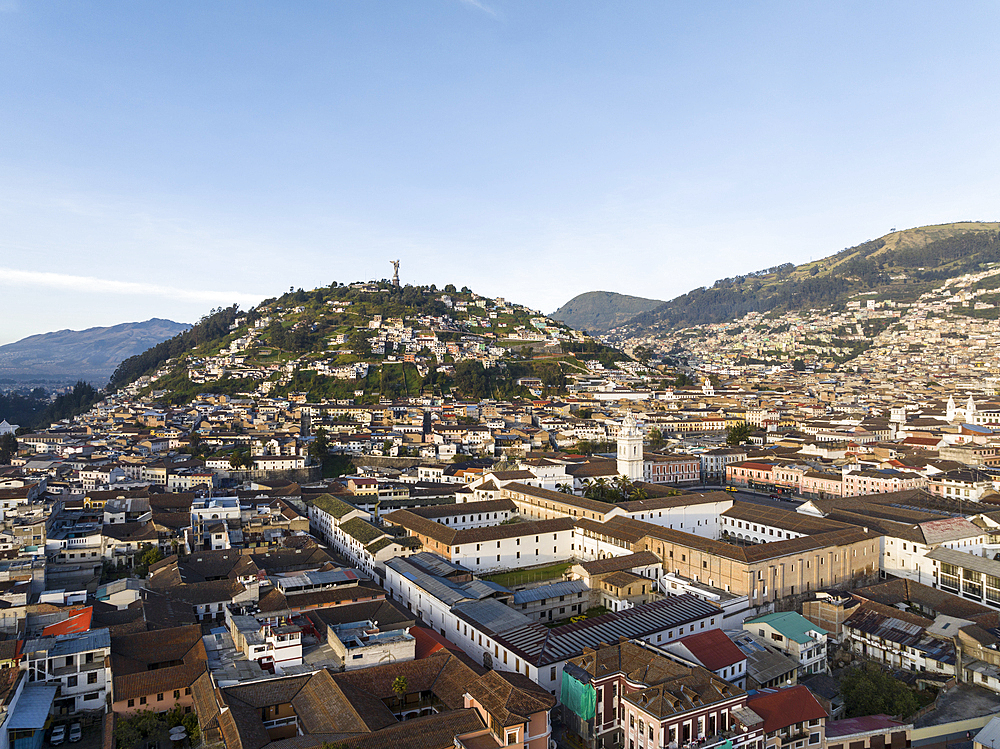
(161, 159)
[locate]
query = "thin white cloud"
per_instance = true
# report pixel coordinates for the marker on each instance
(91, 285)
(481, 6)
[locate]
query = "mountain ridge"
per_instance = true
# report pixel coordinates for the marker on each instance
(599, 311)
(91, 354)
(899, 265)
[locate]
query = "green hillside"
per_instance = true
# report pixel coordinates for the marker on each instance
(599, 311)
(365, 342)
(899, 266)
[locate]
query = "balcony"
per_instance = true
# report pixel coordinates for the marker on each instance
(790, 739)
(709, 742)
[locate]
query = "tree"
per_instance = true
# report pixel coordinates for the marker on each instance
(868, 690)
(739, 433)
(598, 489)
(400, 686)
(321, 445)
(8, 448)
(134, 730)
(150, 555)
(684, 380)
(241, 458)
(655, 438)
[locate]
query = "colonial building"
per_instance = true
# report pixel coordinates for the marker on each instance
(631, 695)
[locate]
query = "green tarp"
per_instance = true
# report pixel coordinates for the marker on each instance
(579, 697)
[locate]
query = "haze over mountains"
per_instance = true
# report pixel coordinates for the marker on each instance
(91, 355)
(899, 266)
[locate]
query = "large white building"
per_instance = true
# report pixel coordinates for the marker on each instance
(473, 615)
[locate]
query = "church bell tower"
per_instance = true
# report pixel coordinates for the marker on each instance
(630, 461)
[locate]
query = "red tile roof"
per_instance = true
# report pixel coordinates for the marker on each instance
(786, 707)
(713, 649)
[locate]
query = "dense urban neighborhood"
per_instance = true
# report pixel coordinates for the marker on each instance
(372, 515)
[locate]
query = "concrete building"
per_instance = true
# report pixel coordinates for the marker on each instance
(796, 636)
(77, 663)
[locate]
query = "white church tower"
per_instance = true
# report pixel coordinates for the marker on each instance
(970, 411)
(630, 449)
(952, 411)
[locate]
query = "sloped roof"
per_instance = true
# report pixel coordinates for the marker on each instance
(626, 562)
(786, 707)
(333, 506)
(427, 732)
(791, 624)
(78, 622)
(511, 698)
(713, 649)
(891, 624)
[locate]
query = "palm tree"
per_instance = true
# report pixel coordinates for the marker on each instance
(598, 489)
(400, 686)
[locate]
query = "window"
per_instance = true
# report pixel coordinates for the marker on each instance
(92, 677)
(131, 703)
(814, 738)
(89, 696)
(142, 700)
(177, 694)
(71, 681)
(159, 697)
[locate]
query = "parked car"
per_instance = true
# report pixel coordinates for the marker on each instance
(75, 732)
(58, 735)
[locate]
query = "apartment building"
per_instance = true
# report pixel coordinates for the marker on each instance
(78, 663)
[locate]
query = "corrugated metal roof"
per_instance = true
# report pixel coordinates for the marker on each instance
(444, 590)
(32, 708)
(553, 590)
(492, 615)
(887, 627)
(541, 646)
(969, 561)
(990, 735)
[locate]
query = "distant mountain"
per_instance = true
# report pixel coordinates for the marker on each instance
(899, 266)
(598, 311)
(90, 355)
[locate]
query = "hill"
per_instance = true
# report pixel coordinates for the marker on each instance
(899, 267)
(599, 311)
(365, 342)
(92, 354)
